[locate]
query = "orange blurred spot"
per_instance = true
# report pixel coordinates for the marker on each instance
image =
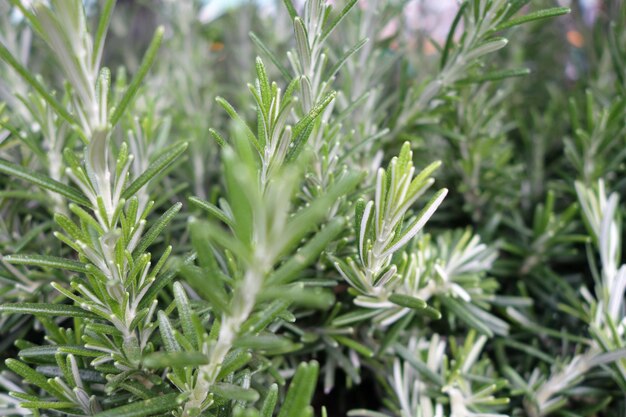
(217, 46)
(429, 48)
(575, 38)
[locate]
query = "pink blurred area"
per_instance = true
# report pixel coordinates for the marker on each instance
(433, 17)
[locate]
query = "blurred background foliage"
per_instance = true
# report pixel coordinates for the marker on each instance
(512, 146)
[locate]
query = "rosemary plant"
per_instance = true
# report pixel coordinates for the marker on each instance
(295, 259)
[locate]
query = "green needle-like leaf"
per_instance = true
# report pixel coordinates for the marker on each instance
(17, 171)
(185, 314)
(167, 333)
(211, 209)
(52, 350)
(6, 56)
(146, 63)
(235, 392)
(47, 262)
(156, 229)
(160, 360)
(46, 310)
(300, 390)
(151, 407)
(408, 301)
(154, 169)
(538, 15)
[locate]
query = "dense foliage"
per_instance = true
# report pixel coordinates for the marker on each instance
(390, 220)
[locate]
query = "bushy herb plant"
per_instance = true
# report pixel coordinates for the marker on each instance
(389, 220)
